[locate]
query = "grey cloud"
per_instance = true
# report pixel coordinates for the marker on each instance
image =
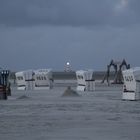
(88, 33)
(67, 12)
(49, 46)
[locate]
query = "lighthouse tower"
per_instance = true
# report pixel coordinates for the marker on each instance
(68, 67)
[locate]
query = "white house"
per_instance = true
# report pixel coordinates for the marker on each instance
(85, 81)
(131, 87)
(43, 79)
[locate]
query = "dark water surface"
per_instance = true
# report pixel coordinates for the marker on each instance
(45, 115)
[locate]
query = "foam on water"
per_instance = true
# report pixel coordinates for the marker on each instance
(99, 115)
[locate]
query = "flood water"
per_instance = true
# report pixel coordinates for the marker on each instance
(46, 115)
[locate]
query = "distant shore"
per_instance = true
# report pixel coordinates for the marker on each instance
(60, 75)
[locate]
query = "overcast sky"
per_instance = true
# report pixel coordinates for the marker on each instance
(87, 33)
